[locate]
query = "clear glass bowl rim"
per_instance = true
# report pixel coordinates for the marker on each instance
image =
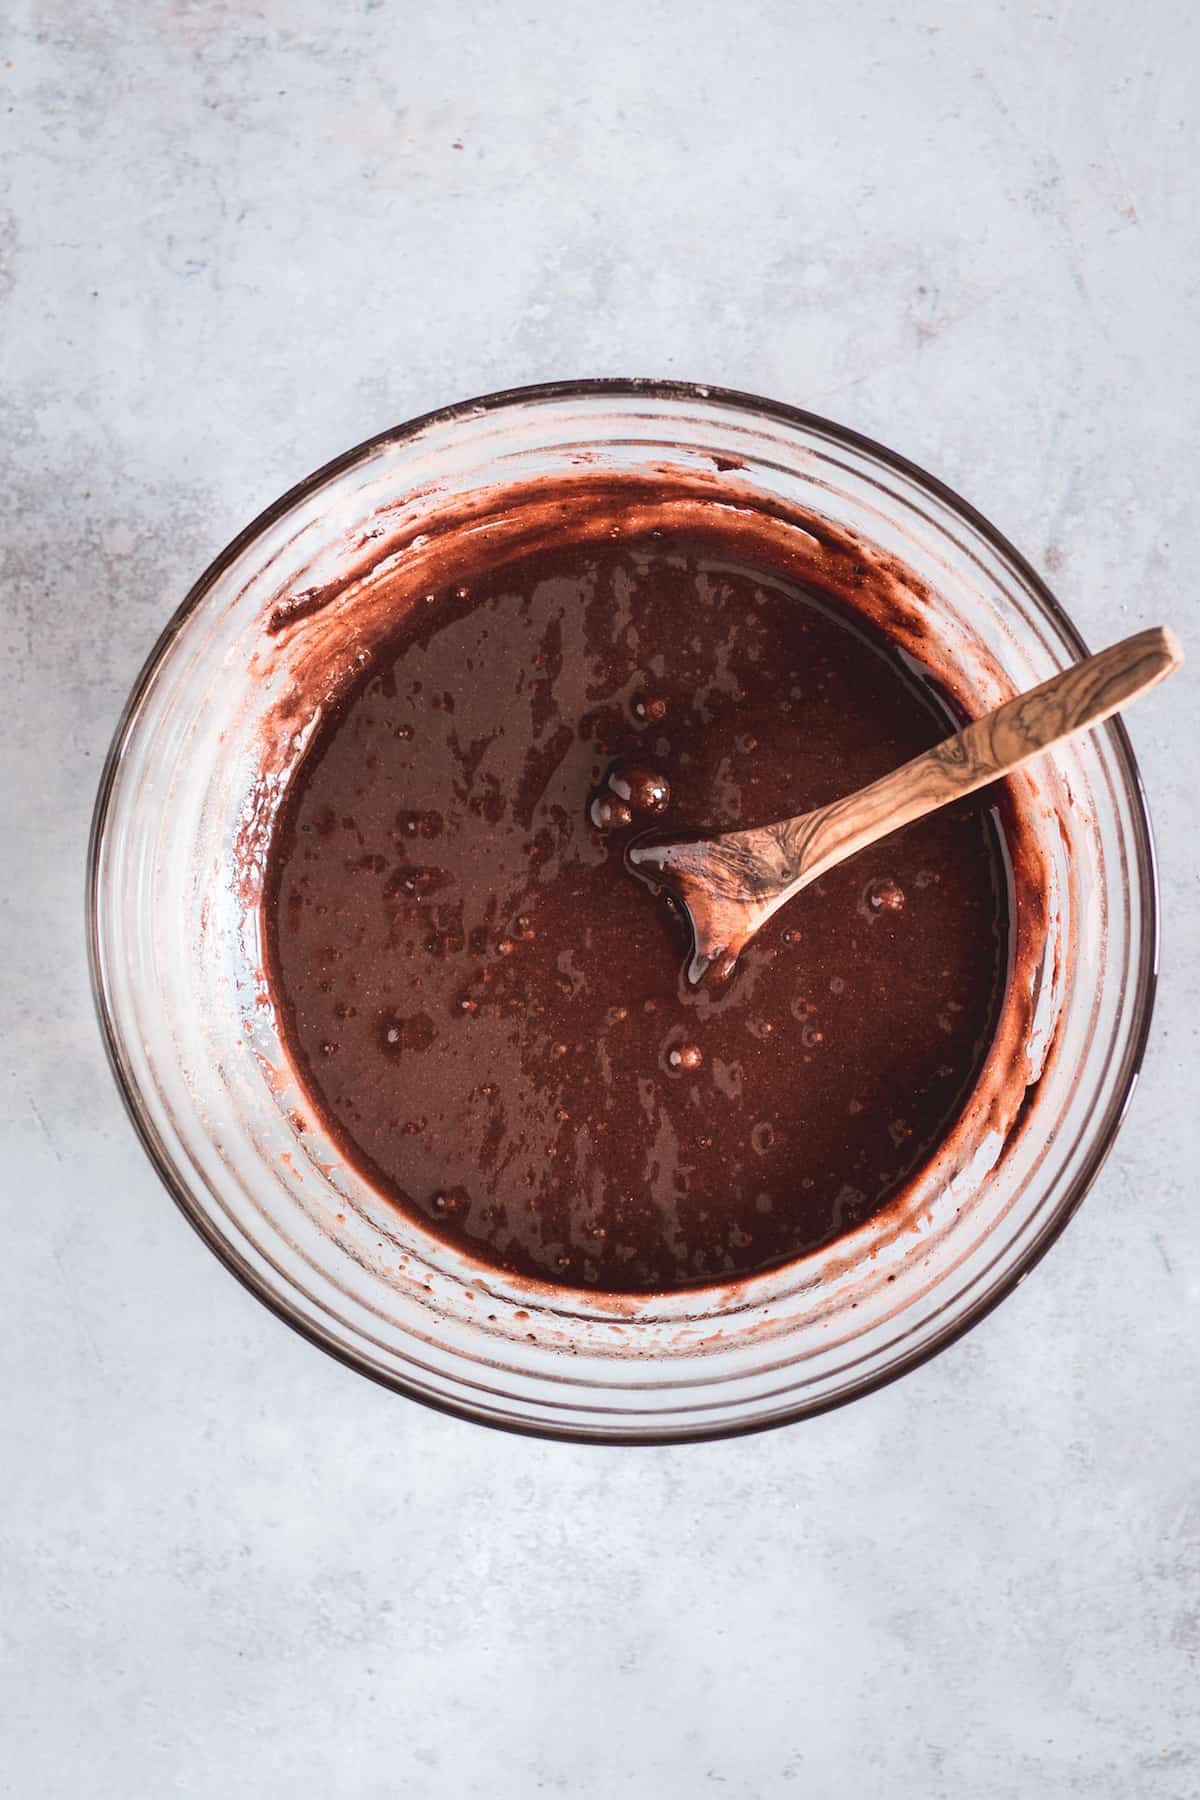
(644, 389)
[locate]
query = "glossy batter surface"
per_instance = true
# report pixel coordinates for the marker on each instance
(488, 1011)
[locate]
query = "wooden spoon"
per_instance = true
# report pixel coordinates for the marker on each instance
(732, 884)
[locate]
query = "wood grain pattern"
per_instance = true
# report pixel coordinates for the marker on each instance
(732, 884)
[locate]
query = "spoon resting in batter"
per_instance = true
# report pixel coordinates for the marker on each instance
(730, 885)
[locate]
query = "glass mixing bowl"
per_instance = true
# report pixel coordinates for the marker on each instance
(175, 865)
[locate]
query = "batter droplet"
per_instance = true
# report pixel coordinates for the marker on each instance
(608, 813)
(885, 896)
(644, 790)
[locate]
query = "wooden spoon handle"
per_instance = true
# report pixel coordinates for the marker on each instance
(987, 748)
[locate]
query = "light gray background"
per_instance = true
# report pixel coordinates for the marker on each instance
(237, 239)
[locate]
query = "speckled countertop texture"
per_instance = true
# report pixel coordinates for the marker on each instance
(236, 239)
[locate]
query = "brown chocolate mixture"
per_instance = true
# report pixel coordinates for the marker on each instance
(489, 1012)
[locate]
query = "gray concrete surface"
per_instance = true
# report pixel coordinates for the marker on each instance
(236, 239)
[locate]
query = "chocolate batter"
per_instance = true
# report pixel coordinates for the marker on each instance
(489, 1012)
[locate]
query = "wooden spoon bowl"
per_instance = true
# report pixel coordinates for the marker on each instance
(731, 884)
